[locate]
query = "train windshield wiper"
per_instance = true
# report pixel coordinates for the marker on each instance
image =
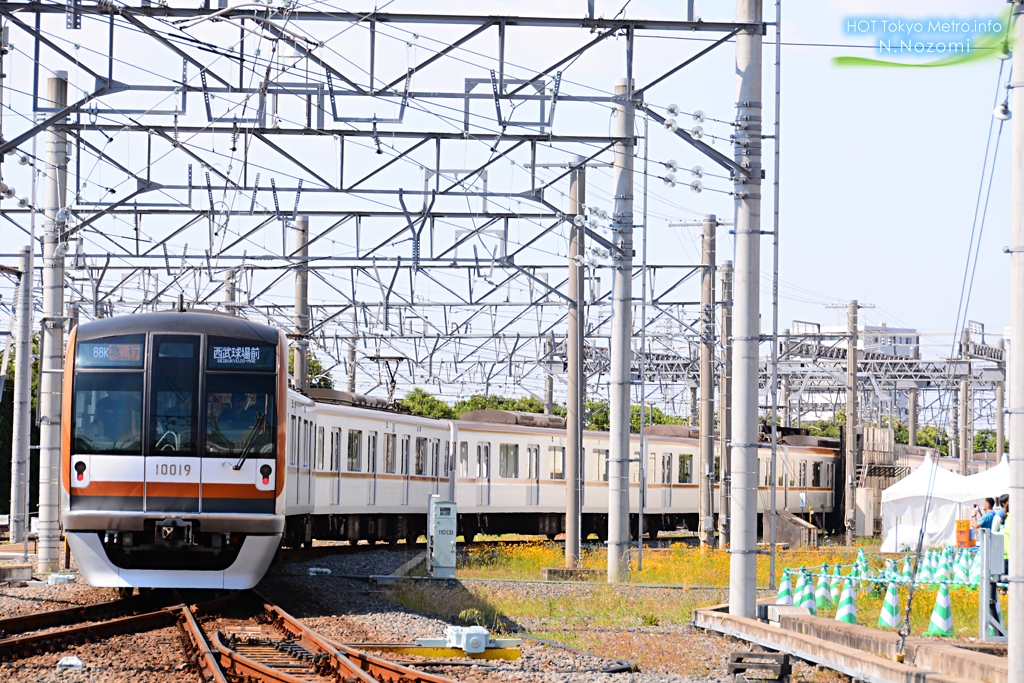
(261, 420)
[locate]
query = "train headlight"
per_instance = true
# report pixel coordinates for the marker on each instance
(80, 469)
(265, 472)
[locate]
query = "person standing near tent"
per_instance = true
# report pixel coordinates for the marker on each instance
(1002, 501)
(1006, 536)
(983, 518)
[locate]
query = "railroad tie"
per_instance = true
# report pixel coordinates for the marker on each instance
(777, 663)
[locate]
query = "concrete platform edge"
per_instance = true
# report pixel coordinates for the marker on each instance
(847, 660)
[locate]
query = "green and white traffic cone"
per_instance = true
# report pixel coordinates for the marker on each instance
(798, 594)
(906, 573)
(942, 574)
(785, 594)
(808, 600)
(975, 576)
(822, 599)
(942, 614)
(836, 589)
(889, 618)
(924, 574)
(960, 575)
(847, 612)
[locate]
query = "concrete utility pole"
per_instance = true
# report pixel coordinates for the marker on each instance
(621, 335)
(954, 450)
(725, 406)
(912, 417)
(230, 292)
(1000, 398)
(300, 364)
(1015, 619)
(746, 339)
(51, 361)
(352, 353)
(851, 423)
(574, 352)
(22, 422)
(707, 381)
(965, 408)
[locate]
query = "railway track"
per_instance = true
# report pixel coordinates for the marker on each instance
(238, 637)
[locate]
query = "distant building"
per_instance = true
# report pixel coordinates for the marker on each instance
(893, 341)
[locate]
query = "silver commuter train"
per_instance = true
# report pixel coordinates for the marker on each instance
(186, 461)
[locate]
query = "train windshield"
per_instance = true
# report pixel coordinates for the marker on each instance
(240, 396)
(175, 385)
(108, 413)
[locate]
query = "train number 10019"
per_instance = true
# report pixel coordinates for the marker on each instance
(171, 470)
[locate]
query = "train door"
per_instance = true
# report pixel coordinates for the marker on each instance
(173, 468)
(666, 477)
(532, 474)
(406, 447)
(305, 480)
(483, 473)
(371, 468)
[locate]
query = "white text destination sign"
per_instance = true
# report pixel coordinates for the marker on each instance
(223, 353)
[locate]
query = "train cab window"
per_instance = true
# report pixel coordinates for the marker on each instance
(533, 461)
(390, 462)
(666, 468)
(421, 455)
(108, 413)
(175, 384)
(240, 415)
(601, 457)
(803, 475)
(463, 459)
(556, 462)
(508, 461)
(816, 475)
(355, 458)
(108, 395)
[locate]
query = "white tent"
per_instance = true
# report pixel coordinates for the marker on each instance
(903, 508)
(991, 483)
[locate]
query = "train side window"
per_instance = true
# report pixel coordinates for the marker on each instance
(421, 455)
(463, 459)
(685, 468)
(533, 461)
(508, 461)
(308, 443)
(634, 467)
(355, 458)
(406, 443)
(389, 454)
(803, 475)
(652, 469)
(792, 475)
(666, 468)
(816, 475)
(447, 458)
(320, 448)
(294, 442)
(483, 460)
(435, 458)
(601, 457)
(371, 452)
(556, 458)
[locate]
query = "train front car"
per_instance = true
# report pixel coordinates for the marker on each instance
(172, 453)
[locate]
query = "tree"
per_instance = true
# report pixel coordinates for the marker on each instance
(831, 429)
(598, 417)
(318, 379)
(526, 404)
(419, 402)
